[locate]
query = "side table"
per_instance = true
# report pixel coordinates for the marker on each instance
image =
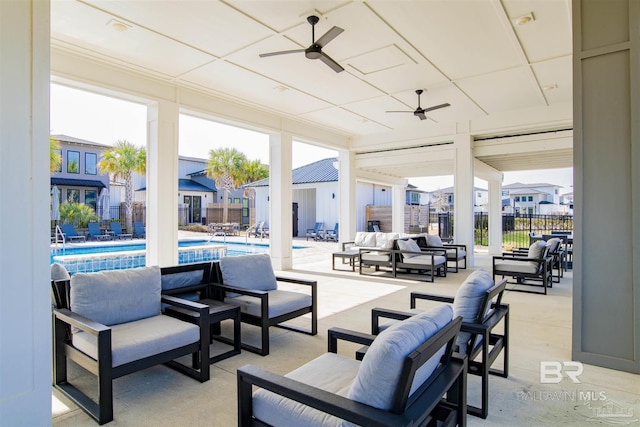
(351, 255)
(218, 311)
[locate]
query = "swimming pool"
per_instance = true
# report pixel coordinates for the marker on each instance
(123, 256)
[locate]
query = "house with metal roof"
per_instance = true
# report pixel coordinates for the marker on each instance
(315, 196)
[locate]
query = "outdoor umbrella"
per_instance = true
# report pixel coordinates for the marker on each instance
(104, 203)
(55, 203)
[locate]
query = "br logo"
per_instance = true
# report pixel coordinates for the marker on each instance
(552, 372)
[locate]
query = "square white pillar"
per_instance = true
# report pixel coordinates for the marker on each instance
(463, 194)
(347, 186)
(280, 200)
(398, 203)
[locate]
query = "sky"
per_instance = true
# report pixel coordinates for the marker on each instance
(105, 120)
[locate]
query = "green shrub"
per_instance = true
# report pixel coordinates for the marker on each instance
(77, 214)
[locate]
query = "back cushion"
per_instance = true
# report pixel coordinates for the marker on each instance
(408, 245)
(553, 244)
(249, 272)
(377, 378)
(182, 279)
(116, 296)
(434, 240)
(467, 302)
(536, 250)
(385, 240)
(59, 272)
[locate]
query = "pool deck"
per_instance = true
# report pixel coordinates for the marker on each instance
(540, 330)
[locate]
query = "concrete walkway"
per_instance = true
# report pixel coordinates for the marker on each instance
(540, 330)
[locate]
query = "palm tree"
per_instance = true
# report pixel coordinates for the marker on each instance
(253, 171)
(226, 167)
(121, 162)
(55, 158)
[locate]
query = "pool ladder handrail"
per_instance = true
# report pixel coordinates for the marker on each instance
(58, 232)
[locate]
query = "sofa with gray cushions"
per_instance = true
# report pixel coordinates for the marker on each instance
(113, 326)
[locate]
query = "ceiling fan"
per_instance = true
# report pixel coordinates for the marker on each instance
(420, 112)
(315, 50)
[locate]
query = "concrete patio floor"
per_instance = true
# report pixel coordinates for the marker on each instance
(540, 330)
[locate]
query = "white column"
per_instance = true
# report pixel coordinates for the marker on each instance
(398, 197)
(162, 184)
(463, 193)
(347, 195)
(25, 303)
(280, 200)
(495, 217)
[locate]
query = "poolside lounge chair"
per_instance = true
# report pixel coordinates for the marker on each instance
(315, 232)
(331, 235)
(116, 229)
(138, 230)
(70, 233)
(95, 233)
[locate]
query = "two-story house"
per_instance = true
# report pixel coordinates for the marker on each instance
(443, 199)
(537, 198)
(78, 179)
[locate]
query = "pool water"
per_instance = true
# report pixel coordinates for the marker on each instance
(117, 257)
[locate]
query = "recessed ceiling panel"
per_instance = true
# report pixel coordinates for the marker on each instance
(200, 24)
(506, 90)
(463, 38)
(113, 38)
(555, 79)
(384, 58)
(344, 120)
(244, 84)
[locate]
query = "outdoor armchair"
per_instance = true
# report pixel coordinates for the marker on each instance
(408, 377)
(70, 233)
(250, 282)
(138, 230)
(530, 269)
(94, 232)
(316, 232)
(116, 229)
(410, 257)
(456, 253)
(113, 327)
(484, 333)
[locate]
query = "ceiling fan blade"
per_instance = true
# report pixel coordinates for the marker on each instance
(398, 111)
(328, 36)
(421, 115)
(436, 107)
(282, 52)
(330, 62)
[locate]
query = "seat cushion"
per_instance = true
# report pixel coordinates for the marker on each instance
(468, 300)
(280, 302)
(512, 266)
(381, 366)
(424, 261)
(116, 296)
(141, 338)
(329, 372)
(451, 254)
(408, 245)
(376, 256)
(249, 272)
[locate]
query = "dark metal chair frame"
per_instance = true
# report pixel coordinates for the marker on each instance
(219, 290)
(454, 252)
(425, 407)
(63, 350)
(543, 277)
(434, 269)
(488, 347)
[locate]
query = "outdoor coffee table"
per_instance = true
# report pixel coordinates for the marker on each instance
(218, 311)
(352, 255)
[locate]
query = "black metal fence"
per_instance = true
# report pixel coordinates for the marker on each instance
(515, 228)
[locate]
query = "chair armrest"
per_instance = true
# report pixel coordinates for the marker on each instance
(346, 245)
(83, 323)
(377, 313)
(241, 291)
(334, 334)
(306, 282)
(324, 401)
(431, 297)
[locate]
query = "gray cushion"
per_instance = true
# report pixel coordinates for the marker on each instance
(537, 249)
(467, 300)
(385, 240)
(424, 261)
(434, 240)
(329, 372)
(58, 272)
(451, 253)
(365, 239)
(180, 280)
(408, 245)
(381, 366)
(142, 338)
(116, 296)
(528, 267)
(552, 245)
(248, 272)
(280, 302)
(376, 256)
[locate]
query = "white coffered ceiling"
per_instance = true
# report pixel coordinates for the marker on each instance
(470, 53)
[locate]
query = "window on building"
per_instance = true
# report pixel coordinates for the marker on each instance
(73, 196)
(237, 200)
(505, 193)
(90, 163)
(530, 198)
(450, 199)
(73, 161)
(90, 198)
(516, 199)
(245, 208)
(59, 153)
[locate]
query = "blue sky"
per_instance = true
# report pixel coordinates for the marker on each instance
(104, 120)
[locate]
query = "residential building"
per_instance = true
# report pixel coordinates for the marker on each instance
(537, 198)
(445, 200)
(78, 179)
